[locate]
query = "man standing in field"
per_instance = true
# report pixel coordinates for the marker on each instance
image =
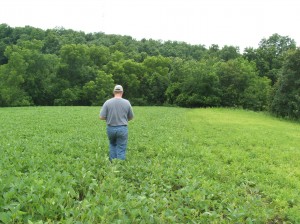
(117, 112)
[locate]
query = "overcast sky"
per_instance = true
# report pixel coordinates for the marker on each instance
(241, 23)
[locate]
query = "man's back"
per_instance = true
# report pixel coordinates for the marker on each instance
(117, 111)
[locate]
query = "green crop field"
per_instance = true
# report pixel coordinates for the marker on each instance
(183, 166)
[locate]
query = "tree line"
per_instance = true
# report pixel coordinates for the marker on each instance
(66, 67)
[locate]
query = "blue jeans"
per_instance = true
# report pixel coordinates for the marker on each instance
(118, 137)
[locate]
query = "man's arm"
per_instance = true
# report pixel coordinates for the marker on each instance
(130, 114)
(103, 114)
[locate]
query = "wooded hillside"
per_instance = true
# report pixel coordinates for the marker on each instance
(66, 67)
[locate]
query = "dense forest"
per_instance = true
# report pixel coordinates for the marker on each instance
(66, 67)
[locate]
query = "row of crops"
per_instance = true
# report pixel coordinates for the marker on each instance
(183, 166)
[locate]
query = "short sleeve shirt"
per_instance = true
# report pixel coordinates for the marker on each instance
(117, 111)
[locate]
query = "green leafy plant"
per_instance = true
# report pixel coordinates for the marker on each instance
(183, 166)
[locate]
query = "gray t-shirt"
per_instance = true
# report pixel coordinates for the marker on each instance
(117, 111)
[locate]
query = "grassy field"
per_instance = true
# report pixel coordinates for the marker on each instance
(183, 166)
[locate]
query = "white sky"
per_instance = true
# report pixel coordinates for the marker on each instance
(240, 23)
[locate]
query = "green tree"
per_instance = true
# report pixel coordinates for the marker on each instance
(41, 73)
(52, 43)
(96, 92)
(271, 53)
(74, 62)
(69, 97)
(255, 96)
(36, 70)
(241, 86)
(229, 52)
(150, 47)
(250, 54)
(176, 76)
(213, 51)
(5, 40)
(68, 36)
(99, 55)
(156, 79)
(11, 81)
(200, 86)
(128, 73)
(286, 98)
(134, 75)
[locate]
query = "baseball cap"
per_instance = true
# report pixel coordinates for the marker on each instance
(118, 88)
